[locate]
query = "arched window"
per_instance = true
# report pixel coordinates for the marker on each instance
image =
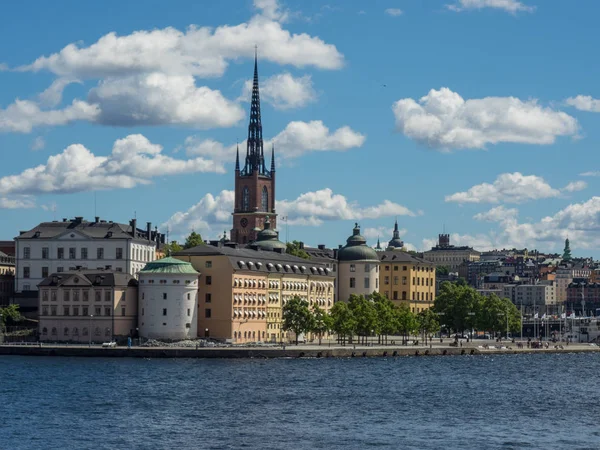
(84, 331)
(245, 199)
(54, 332)
(44, 331)
(75, 331)
(66, 331)
(264, 203)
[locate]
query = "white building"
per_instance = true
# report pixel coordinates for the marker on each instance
(54, 247)
(168, 300)
(358, 267)
(532, 298)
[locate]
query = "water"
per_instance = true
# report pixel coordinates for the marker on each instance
(499, 402)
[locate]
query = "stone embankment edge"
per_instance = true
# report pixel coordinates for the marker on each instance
(241, 352)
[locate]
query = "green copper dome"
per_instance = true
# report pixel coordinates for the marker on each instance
(268, 239)
(356, 248)
(169, 265)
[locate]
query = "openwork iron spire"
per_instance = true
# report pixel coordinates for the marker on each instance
(255, 158)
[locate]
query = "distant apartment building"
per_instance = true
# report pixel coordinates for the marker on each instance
(532, 298)
(87, 306)
(54, 247)
(583, 297)
(7, 278)
(450, 256)
(565, 274)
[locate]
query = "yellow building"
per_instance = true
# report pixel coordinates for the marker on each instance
(242, 290)
(406, 279)
(450, 256)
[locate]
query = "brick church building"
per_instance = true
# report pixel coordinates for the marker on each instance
(254, 184)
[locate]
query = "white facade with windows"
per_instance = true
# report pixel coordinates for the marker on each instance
(55, 247)
(168, 300)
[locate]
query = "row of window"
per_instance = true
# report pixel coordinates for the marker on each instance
(367, 266)
(76, 294)
(367, 283)
(417, 296)
(164, 296)
(165, 313)
(74, 311)
(75, 331)
(143, 281)
(46, 271)
(138, 254)
(416, 281)
(248, 335)
(413, 268)
(249, 313)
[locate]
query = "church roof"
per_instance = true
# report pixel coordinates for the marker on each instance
(356, 248)
(268, 239)
(169, 266)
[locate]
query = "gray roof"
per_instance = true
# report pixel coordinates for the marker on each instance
(356, 248)
(92, 230)
(325, 255)
(400, 256)
(262, 261)
(102, 278)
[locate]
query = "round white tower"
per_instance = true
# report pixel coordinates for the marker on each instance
(168, 300)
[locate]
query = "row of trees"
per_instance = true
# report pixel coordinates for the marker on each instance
(373, 315)
(461, 308)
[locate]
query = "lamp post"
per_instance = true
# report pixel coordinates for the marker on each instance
(137, 334)
(91, 317)
(1, 330)
(471, 314)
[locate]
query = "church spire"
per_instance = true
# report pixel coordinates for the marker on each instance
(237, 158)
(255, 158)
(272, 158)
(396, 232)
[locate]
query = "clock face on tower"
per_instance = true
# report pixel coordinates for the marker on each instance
(244, 222)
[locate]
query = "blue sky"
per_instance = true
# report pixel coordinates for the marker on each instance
(479, 116)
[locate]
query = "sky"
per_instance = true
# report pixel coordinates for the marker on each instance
(474, 117)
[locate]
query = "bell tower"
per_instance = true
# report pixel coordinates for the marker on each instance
(254, 184)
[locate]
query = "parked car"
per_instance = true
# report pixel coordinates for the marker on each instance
(109, 344)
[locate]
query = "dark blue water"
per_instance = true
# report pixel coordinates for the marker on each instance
(499, 402)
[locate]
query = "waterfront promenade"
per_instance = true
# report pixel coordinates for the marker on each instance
(327, 350)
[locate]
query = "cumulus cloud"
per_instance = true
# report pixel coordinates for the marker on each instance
(511, 6)
(134, 160)
(394, 12)
(271, 9)
(19, 202)
(24, 115)
(212, 214)
(199, 51)
(295, 140)
(53, 95)
(584, 103)
(160, 99)
(313, 208)
(444, 120)
(38, 144)
(497, 214)
(513, 188)
(283, 91)
(593, 173)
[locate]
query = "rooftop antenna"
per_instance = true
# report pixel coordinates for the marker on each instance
(95, 204)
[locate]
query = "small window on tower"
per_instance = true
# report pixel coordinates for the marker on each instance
(246, 199)
(265, 199)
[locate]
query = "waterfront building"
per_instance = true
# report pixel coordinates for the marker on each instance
(583, 298)
(168, 300)
(254, 183)
(450, 256)
(358, 267)
(533, 298)
(87, 306)
(54, 247)
(565, 274)
(242, 290)
(327, 257)
(406, 279)
(7, 278)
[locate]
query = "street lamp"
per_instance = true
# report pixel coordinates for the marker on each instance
(91, 317)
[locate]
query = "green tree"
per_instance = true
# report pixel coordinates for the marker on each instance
(365, 315)
(293, 248)
(457, 305)
(385, 315)
(428, 323)
(343, 322)
(172, 247)
(297, 316)
(406, 322)
(322, 322)
(193, 240)
(441, 271)
(9, 315)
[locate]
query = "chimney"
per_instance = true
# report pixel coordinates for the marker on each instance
(321, 246)
(78, 219)
(149, 231)
(335, 253)
(64, 219)
(96, 219)
(301, 245)
(133, 223)
(162, 238)
(22, 233)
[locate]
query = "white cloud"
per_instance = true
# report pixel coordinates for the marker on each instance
(584, 103)
(23, 115)
(38, 144)
(313, 208)
(211, 215)
(159, 99)
(575, 186)
(508, 188)
(593, 173)
(511, 6)
(19, 202)
(134, 160)
(199, 51)
(394, 12)
(296, 139)
(497, 214)
(52, 96)
(444, 120)
(283, 91)
(271, 9)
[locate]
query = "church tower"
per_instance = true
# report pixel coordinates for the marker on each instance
(254, 184)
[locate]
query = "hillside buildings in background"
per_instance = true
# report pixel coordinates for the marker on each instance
(444, 254)
(7, 278)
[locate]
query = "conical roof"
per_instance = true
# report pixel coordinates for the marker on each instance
(268, 239)
(396, 242)
(169, 265)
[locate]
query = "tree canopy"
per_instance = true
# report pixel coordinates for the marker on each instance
(297, 317)
(293, 248)
(193, 240)
(172, 247)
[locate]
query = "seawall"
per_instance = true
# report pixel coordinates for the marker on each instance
(269, 352)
